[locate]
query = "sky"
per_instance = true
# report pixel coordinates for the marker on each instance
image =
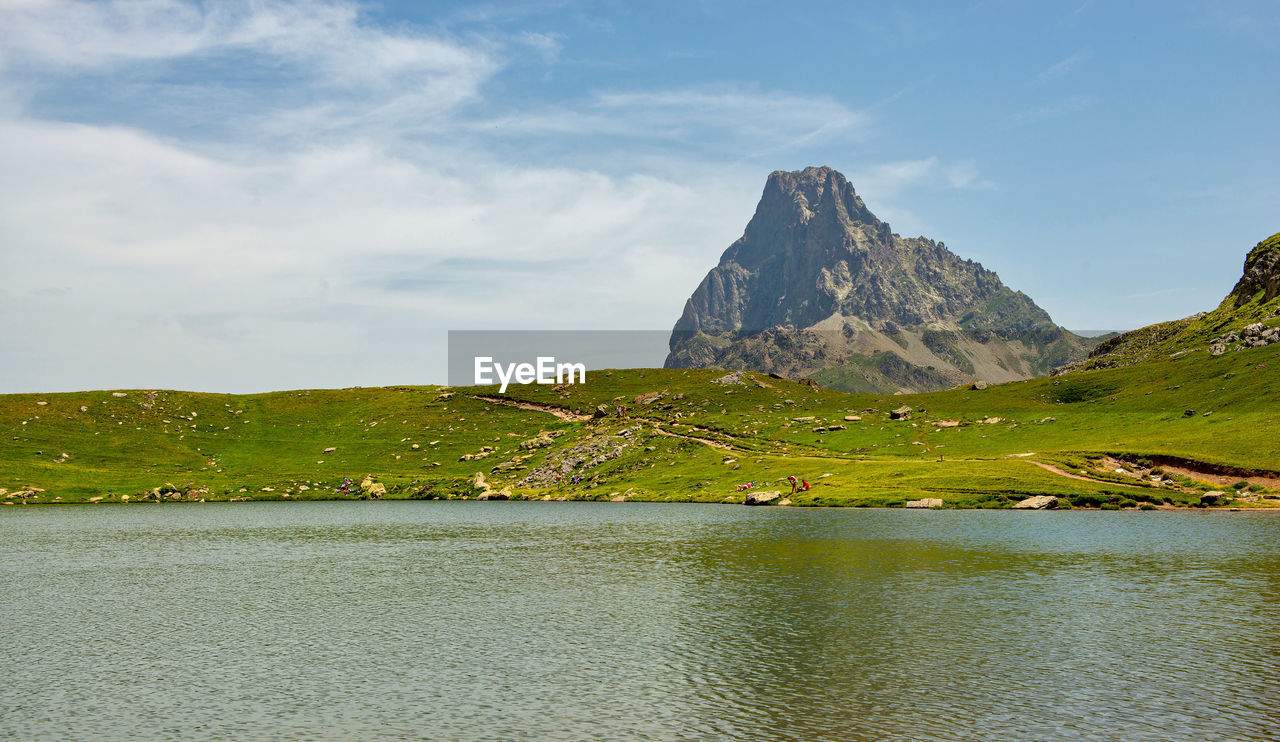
(250, 196)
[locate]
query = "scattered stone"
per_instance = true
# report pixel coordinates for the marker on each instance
(852, 418)
(542, 439)
(1212, 498)
(991, 421)
(119, 394)
(1037, 502)
(762, 498)
(415, 447)
(733, 378)
(1188, 413)
(96, 499)
(484, 452)
(978, 385)
(947, 423)
(41, 403)
(784, 502)
(925, 503)
(84, 408)
(330, 449)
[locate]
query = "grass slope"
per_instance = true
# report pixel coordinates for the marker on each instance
(685, 438)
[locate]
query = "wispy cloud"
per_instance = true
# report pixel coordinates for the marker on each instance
(1064, 66)
(1051, 111)
(892, 178)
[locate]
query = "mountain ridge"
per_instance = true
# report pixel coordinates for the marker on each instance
(819, 287)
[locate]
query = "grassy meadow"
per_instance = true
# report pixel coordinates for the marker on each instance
(1198, 421)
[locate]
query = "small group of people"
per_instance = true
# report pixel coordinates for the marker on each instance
(575, 479)
(798, 485)
(746, 486)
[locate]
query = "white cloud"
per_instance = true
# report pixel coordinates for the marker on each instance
(146, 264)
(1059, 109)
(331, 235)
(1064, 66)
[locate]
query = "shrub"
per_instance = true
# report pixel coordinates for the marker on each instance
(1256, 488)
(1242, 484)
(1127, 503)
(1146, 506)
(1109, 506)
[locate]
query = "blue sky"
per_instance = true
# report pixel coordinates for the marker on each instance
(244, 196)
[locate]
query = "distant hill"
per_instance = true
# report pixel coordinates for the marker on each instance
(1247, 318)
(818, 287)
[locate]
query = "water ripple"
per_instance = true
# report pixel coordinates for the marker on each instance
(588, 621)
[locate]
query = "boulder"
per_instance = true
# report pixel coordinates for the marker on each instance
(978, 385)
(330, 449)
(1037, 502)
(376, 491)
(1212, 498)
(902, 413)
(733, 378)
(926, 503)
(601, 411)
(502, 494)
(478, 482)
(539, 441)
(852, 418)
(762, 498)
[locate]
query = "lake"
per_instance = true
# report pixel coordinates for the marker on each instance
(513, 620)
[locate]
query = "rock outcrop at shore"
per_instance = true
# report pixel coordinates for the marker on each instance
(819, 287)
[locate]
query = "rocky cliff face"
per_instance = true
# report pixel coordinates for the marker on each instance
(817, 286)
(1261, 273)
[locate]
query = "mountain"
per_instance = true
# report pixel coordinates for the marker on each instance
(818, 287)
(1246, 318)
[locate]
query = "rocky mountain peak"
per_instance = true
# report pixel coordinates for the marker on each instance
(814, 259)
(800, 195)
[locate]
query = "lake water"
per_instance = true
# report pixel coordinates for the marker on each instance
(481, 621)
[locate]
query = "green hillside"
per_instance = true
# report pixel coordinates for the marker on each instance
(686, 435)
(1251, 303)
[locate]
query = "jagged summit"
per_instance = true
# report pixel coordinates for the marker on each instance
(814, 259)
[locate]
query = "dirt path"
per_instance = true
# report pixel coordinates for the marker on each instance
(550, 409)
(1069, 475)
(657, 428)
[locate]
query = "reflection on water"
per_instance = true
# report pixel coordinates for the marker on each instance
(449, 620)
